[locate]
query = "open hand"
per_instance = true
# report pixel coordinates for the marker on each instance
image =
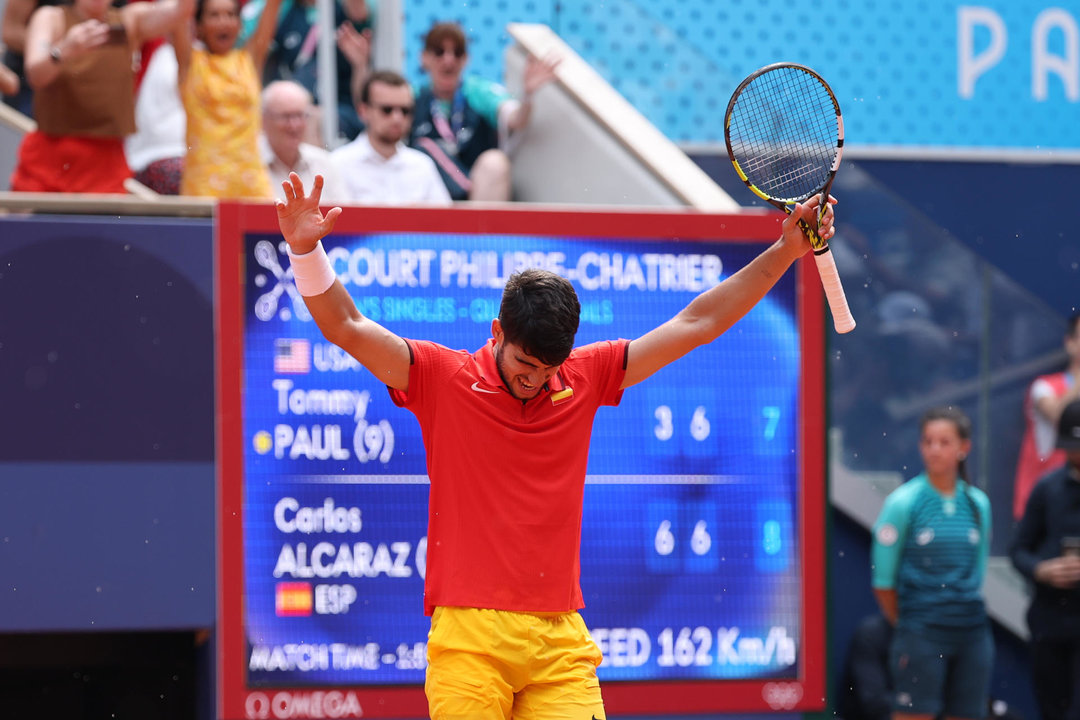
(299, 217)
(355, 46)
(83, 37)
(1060, 572)
(539, 73)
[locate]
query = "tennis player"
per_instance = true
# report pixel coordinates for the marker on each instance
(506, 431)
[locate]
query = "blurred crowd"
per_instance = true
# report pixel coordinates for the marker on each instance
(221, 98)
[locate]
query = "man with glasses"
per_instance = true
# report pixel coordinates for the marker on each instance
(286, 113)
(464, 123)
(376, 168)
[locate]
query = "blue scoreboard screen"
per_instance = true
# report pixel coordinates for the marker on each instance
(701, 555)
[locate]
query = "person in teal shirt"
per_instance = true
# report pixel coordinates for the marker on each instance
(464, 123)
(930, 548)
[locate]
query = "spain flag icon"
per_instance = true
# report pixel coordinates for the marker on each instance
(293, 599)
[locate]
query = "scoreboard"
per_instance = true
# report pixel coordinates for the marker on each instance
(701, 553)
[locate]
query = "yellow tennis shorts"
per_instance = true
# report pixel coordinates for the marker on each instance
(495, 664)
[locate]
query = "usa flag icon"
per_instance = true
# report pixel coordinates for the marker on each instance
(292, 356)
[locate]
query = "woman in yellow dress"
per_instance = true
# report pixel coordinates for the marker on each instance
(220, 88)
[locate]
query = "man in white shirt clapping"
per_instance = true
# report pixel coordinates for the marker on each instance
(377, 168)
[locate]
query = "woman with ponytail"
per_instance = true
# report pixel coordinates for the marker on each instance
(930, 548)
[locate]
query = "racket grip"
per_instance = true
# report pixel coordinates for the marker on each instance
(843, 321)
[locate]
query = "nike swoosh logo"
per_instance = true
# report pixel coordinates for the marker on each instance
(477, 388)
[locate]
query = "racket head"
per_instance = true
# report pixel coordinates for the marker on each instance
(784, 133)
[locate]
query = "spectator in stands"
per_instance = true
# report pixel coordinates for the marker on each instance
(377, 168)
(156, 151)
(79, 62)
(286, 113)
(13, 37)
(930, 548)
(293, 54)
(1046, 550)
(463, 122)
(220, 89)
(1048, 395)
(9, 81)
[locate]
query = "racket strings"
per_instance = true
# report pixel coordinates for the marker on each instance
(783, 133)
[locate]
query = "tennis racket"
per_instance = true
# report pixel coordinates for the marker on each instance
(785, 135)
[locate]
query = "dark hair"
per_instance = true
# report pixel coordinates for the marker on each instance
(441, 32)
(200, 8)
(386, 77)
(540, 313)
(1072, 325)
(962, 423)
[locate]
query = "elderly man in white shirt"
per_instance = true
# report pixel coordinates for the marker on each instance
(286, 111)
(376, 168)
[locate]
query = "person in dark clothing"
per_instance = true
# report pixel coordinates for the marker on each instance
(1046, 550)
(867, 688)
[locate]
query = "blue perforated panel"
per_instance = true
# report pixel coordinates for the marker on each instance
(902, 71)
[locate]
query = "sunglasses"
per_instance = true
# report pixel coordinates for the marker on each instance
(439, 52)
(388, 110)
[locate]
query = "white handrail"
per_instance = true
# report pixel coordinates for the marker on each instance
(654, 150)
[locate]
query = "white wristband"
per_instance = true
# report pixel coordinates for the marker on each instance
(312, 271)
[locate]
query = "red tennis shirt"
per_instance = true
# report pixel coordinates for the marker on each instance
(507, 477)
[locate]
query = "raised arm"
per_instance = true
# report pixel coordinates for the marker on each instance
(302, 224)
(182, 39)
(356, 47)
(259, 42)
(46, 33)
(538, 73)
(9, 81)
(16, 21)
(712, 312)
(148, 20)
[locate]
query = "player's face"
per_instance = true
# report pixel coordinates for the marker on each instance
(523, 375)
(942, 448)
